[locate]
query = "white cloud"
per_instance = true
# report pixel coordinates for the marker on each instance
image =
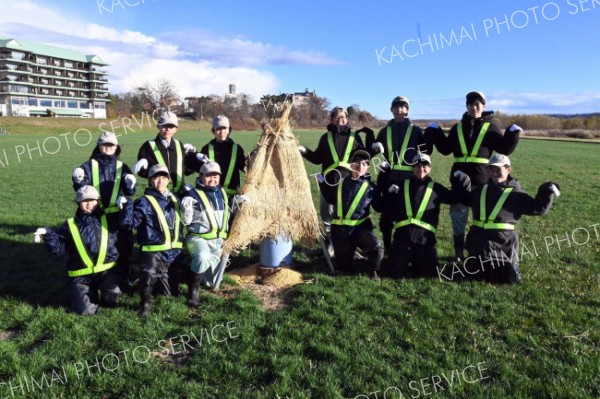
(197, 62)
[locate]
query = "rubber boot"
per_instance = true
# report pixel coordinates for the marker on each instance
(194, 290)
(459, 248)
(146, 298)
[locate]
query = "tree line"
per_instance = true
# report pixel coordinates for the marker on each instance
(312, 112)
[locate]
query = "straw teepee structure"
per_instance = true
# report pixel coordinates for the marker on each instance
(277, 184)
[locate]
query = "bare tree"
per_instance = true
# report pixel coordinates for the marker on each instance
(159, 94)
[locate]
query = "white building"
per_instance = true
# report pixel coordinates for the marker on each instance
(41, 80)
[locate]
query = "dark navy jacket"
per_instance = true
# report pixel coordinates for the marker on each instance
(141, 216)
(350, 188)
(107, 164)
(60, 241)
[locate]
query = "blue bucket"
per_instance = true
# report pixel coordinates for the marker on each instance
(276, 252)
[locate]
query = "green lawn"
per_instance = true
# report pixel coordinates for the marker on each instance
(340, 337)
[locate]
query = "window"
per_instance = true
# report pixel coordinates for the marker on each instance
(33, 102)
(18, 100)
(99, 105)
(72, 104)
(18, 88)
(45, 103)
(84, 105)
(60, 104)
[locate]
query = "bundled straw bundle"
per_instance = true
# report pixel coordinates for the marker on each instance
(279, 190)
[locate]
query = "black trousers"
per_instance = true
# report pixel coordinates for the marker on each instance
(422, 257)
(84, 291)
(345, 243)
(154, 276)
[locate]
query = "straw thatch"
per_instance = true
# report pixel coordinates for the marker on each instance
(279, 190)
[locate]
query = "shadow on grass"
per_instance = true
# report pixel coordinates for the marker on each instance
(29, 273)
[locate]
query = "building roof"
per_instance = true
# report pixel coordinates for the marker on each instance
(50, 51)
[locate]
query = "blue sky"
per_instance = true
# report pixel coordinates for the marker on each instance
(527, 56)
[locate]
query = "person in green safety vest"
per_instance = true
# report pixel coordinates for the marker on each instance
(351, 226)
(414, 212)
(333, 153)
(472, 142)
(206, 214)
(228, 154)
(91, 254)
(112, 178)
(492, 242)
(399, 141)
(166, 150)
(156, 217)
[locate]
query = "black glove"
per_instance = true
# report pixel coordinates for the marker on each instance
(513, 129)
(547, 187)
(433, 130)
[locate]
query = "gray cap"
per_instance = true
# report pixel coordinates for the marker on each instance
(87, 193)
(335, 110)
(474, 96)
(168, 118)
(421, 158)
(158, 169)
(220, 121)
(499, 160)
(210, 167)
(399, 100)
(108, 138)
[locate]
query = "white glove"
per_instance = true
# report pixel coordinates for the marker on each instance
(320, 178)
(202, 158)
(458, 173)
(38, 233)
(78, 175)
(555, 190)
(385, 165)
(394, 189)
(302, 149)
(130, 181)
(187, 147)
(139, 165)
(188, 202)
(515, 128)
(433, 125)
(121, 201)
(240, 199)
(377, 146)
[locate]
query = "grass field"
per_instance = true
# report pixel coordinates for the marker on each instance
(340, 337)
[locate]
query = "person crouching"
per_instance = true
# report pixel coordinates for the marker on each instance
(206, 215)
(492, 241)
(156, 218)
(415, 209)
(91, 254)
(351, 226)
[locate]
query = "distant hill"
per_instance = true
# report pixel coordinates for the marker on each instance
(570, 116)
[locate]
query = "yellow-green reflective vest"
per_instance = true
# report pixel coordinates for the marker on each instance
(336, 159)
(91, 267)
(472, 158)
(215, 231)
(112, 205)
(399, 156)
(170, 242)
(416, 220)
(488, 223)
(179, 161)
(347, 220)
(232, 160)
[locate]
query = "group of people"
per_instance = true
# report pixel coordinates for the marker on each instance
(409, 200)
(172, 215)
(169, 216)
